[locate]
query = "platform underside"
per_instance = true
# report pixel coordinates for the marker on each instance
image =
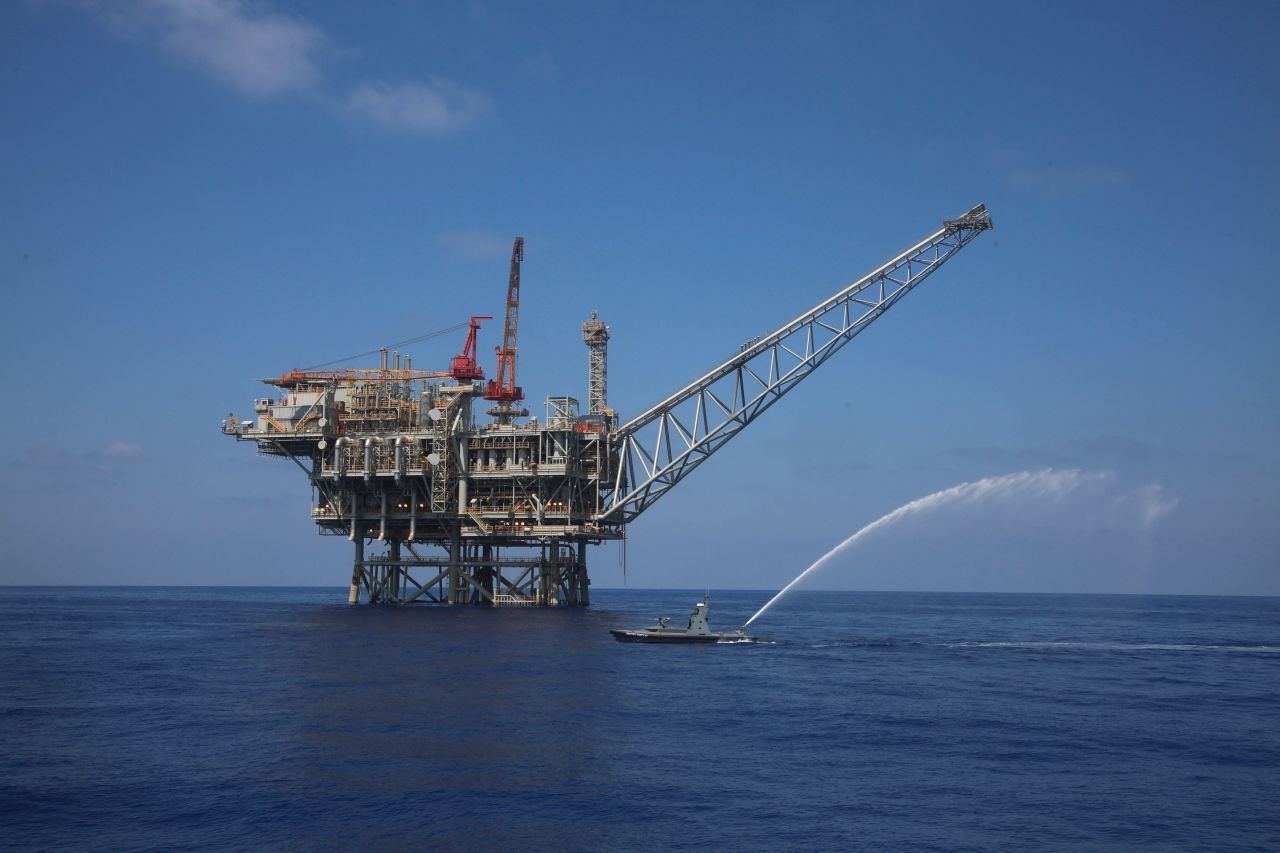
(476, 571)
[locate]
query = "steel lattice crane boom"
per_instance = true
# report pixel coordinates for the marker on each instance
(503, 388)
(322, 377)
(664, 444)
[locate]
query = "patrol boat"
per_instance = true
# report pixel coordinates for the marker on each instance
(698, 630)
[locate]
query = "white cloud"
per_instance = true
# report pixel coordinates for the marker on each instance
(542, 66)
(254, 50)
(434, 108)
(124, 450)
(1058, 180)
(61, 468)
(474, 242)
(260, 53)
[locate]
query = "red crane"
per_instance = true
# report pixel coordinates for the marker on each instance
(504, 388)
(464, 367)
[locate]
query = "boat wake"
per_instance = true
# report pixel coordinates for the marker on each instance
(1051, 646)
(1087, 646)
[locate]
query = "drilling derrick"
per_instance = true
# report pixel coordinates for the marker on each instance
(503, 513)
(503, 389)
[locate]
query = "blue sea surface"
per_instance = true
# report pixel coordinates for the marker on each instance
(257, 718)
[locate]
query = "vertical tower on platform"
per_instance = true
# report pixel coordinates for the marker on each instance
(595, 335)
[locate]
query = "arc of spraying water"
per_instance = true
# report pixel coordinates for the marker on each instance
(1045, 482)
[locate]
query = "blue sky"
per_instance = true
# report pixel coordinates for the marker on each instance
(199, 193)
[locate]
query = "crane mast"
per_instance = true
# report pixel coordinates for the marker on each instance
(503, 388)
(464, 366)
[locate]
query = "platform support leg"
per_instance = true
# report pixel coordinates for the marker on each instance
(568, 574)
(549, 570)
(455, 570)
(357, 571)
(393, 582)
(487, 572)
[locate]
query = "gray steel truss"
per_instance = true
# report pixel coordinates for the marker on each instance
(663, 445)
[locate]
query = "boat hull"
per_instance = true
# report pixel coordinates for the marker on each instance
(623, 635)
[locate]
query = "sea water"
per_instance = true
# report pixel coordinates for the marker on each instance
(283, 719)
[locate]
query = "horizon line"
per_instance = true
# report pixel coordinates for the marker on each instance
(768, 591)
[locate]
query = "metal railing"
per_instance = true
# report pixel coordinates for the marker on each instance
(505, 600)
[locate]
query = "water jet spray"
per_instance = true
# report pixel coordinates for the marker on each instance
(1028, 485)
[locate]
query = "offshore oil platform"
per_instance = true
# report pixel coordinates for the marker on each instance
(502, 513)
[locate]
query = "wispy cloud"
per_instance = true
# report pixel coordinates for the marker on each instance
(124, 450)
(1037, 168)
(256, 53)
(262, 53)
(41, 457)
(434, 108)
(1110, 450)
(474, 242)
(57, 466)
(837, 469)
(542, 66)
(1067, 179)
